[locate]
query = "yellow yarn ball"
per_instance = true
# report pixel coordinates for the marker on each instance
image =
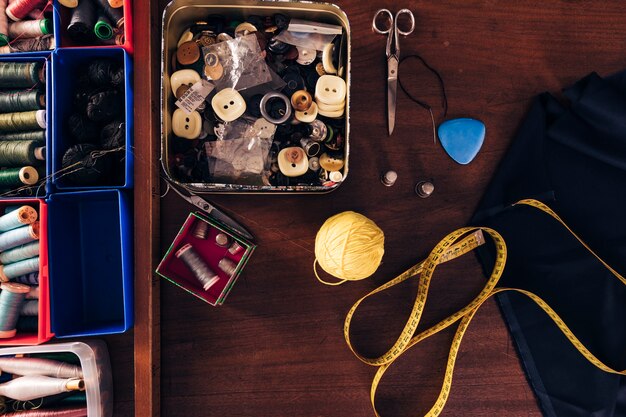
(349, 246)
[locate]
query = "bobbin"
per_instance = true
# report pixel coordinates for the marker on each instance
(266, 98)
(228, 266)
(11, 291)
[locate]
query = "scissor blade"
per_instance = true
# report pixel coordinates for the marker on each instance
(392, 88)
(230, 222)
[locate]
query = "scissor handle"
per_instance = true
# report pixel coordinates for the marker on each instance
(389, 19)
(411, 22)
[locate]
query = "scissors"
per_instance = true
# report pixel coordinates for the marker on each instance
(392, 30)
(209, 208)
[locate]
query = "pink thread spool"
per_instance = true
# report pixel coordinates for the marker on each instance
(19, 9)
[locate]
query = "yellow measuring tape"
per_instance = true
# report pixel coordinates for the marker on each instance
(458, 243)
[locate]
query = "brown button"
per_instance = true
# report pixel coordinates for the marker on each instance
(301, 100)
(212, 67)
(319, 68)
(206, 39)
(188, 53)
(292, 53)
(182, 90)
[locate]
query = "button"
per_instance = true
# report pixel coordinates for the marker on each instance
(278, 47)
(286, 107)
(213, 69)
(228, 104)
(318, 130)
(331, 114)
(327, 59)
(314, 163)
(389, 178)
(311, 147)
(293, 162)
(424, 189)
(224, 37)
(294, 82)
(335, 176)
(308, 115)
(182, 90)
(185, 37)
(291, 54)
(206, 39)
(181, 77)
(330, 89)
(331, 162)
(301, 100)
(188, 53)
(281, 21)
(319, 68)
(331, 107)
(306, 56)
(264, 129)
(244, 29)
(186, 126)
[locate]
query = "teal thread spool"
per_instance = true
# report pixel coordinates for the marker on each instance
(25, 120)
(30, 308)
(23, 100)
(18, 237)
(20, 253)
(23, 216)
(11, 299)
(38, 135)
(19, 268)
(28, 279)
(21, 152)
(9, 209)
(21, 74)
(17, 177)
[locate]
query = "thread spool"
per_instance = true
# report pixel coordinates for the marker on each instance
(348, 246)
(24, 215)
(4, 23)
(33, 294)
(30, 387)
(27, 120)
(105, 106)
(82, 21)
(90, 168)
(19, 9)
(37, 135)
(29, 308)
(228, 266)
(389, 178)
(21, 74)
(40, 43)
(116, 4)
(16, 177)
(30, 28)
(28, 279)
(20, 153)
(11, 298)
(18, 237)
(201, 230)
(104, 72)
(19, 101)
(200, 269)
(20, 253)
(116, 15)
(235, 248)
(70, 4)
(19, 268)
(103, 29)
(39, 366)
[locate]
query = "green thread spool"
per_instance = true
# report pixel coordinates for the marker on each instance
(23, 216)
(20, 253)
(21, 74)
(30, 28)
(39, 135)
(19, 101)
(16, 177)
(18, 237)
(103, 28)
(21, 152)
(11, 299)
(19, 268)
(26, 120)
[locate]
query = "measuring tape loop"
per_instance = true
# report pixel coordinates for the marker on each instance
(450, 248)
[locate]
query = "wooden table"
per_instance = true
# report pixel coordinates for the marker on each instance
(276, 347)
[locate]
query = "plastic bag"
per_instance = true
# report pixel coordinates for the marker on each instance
(316, 41)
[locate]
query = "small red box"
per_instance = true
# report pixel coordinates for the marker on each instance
(174, 269)
(44, 333)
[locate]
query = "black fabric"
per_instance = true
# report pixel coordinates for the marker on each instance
(571, 155)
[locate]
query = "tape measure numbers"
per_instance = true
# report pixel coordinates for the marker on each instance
(456, 244)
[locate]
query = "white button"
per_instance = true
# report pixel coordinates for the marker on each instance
(309, 115)
(331, 107)
(327, 59)
(293, 162)
(186, 76)
(306, 56)
(330, 89)
(244, 29)
(188, 126)
(335, 176)
(331, 114)
(185, 37)
(228, 104)
(263, 128)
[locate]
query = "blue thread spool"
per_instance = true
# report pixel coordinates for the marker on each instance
(17, 218)
(30, 308)
(19, 236)
(20, 253)
(17, 269)
(9, 209)
(29, 279)
(11, 300)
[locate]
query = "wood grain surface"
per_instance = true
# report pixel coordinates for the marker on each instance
(276, 347)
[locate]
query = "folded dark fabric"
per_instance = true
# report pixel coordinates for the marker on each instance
(570, 154)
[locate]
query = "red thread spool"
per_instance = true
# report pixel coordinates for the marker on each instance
(19, 9)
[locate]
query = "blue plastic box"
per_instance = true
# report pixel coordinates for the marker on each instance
(65, 64)
(90, 237)
(45, 58)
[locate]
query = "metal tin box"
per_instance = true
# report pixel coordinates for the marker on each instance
(179, 14)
